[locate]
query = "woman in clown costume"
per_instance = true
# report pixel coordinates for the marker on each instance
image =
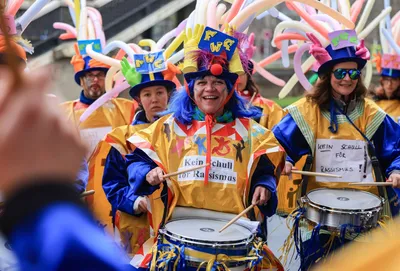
(387, 96)
(129, 210)
(208, 124)
(336, 112)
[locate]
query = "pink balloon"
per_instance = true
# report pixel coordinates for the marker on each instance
(98, 14)
(181, 27)
(297, 66)
(355, 10)
(395, 18)
(234, 10)
(14, 7)
(310, 10)
(103, 99)
(267, 75)
(97, 26)
(212, 14)
(66, 27)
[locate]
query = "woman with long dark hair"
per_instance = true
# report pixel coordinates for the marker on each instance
(341, 131)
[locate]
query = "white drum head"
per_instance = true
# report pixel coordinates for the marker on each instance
(207, 230)
(344, 199)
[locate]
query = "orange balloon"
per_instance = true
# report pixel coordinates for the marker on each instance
(288, 36)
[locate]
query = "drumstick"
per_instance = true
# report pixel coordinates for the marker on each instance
(236, 218)
(180, 172)
(87, 193)
(372, 184)
(309, 173)
(184, 171)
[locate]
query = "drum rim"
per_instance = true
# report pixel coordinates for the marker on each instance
(244, 241)
(339, 210)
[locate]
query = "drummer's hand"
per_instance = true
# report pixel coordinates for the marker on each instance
(155, 176)
(287, 170)
(141, 206)
(261, 196)
(395, 179)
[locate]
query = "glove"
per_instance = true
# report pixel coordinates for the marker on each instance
(378, 62)
(171, 72)
(77, 61)
(317, 51)
(97, 64)
(362, 51)
(249, 51)
(191, 44)
(131, 75)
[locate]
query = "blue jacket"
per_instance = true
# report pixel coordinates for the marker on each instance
(386, 141)
(115, 178)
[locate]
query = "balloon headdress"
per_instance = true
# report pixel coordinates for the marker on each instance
(388, 64)
(16, 27)
(88, 31)
(322, 22)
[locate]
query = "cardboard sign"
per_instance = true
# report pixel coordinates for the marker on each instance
(217, 42)
(150, 62)
(343, 38)
(83, 43)
(10, 25)
(391, 61)
(348, 158)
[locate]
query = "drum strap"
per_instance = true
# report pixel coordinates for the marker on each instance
(307, 167)
(379, 177)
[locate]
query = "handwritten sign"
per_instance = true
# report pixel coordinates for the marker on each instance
(391, 61)
(83, 43)
(10, 25)
(218, 42)
(348, 158)
(150, 62)
(221, 171)
(343, 38)
(92, 136)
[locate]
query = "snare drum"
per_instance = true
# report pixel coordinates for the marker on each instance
(201, 241)
(334, 208)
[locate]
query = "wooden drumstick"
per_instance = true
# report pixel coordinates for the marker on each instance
(87, 193)
(236, 218)
(180, 172)
(184, 171)
(309, 173)
(371, 184)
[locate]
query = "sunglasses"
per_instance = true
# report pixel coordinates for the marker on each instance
(341, 73)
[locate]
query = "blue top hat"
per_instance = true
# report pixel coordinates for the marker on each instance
(149, 80)
(390, 73)
(88, 68)
(346, 54)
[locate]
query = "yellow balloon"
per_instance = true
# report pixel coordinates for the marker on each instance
(110, 78)
(174, 45)
(364, 16)
(148, 42)
(374, 23)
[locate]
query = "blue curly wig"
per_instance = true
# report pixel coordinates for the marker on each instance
(182, 106)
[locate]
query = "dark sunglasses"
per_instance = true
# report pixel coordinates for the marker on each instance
(341, 73)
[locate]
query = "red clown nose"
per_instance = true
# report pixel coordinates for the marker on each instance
(216, 69)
